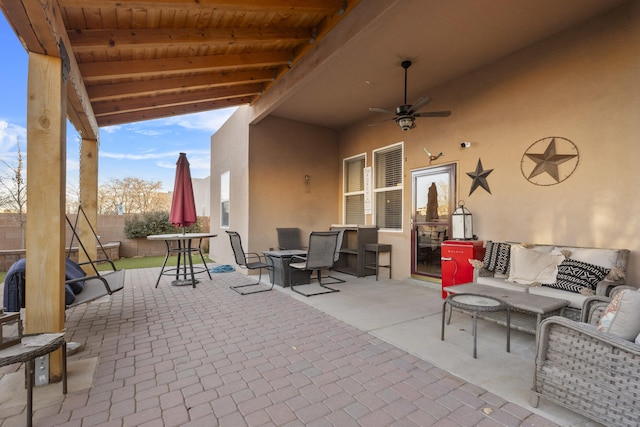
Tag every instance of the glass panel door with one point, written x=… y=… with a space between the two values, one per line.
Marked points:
x=433 y=197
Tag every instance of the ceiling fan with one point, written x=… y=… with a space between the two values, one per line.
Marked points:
x=406 y=114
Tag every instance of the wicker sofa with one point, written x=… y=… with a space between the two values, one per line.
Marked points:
x=591 y=372
x=503 y=268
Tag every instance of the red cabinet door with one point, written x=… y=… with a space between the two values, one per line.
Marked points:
x=456 y=268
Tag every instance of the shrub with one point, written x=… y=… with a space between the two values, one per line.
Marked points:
x=151 y=223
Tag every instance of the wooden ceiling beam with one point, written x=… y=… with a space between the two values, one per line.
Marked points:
x=84 y=40
x=282 y=6
x=172 y=99
x=125 y=90
x=97 y=71
x=156 y=113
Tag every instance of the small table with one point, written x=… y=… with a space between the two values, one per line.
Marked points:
x=377 y=248
x=185 y=248
x=280 y=260
x=527 y=310
x=31 y=347
x=476 y=303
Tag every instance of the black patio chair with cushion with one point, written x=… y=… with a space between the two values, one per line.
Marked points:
x=289 y=238
x=320 y=256
x=250 y=261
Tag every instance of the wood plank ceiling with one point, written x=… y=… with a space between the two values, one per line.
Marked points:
x=144 y=59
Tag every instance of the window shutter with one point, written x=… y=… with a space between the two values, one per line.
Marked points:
x=354 y=209
x=354 y=190
x=353 y=175
x=388 y=187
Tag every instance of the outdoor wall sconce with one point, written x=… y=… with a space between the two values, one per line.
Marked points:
x=307 y=183
x=465 y=144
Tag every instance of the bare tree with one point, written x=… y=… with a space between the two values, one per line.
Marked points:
x=13 y=191
x=131 y=195
x=73 y=198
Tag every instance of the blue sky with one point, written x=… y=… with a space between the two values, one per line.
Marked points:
x=146 y=150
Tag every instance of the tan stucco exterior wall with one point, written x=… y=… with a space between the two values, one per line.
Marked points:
x=267 y=177
x=282 y=152
x=583 y=85
x=229 y=152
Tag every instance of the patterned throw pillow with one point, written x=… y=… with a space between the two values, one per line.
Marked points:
x=496 y=257
x=575 y=275
x=622 y=316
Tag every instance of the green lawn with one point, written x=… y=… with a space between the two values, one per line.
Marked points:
x=133 y=263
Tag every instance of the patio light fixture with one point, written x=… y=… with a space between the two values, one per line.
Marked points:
x=405 y=122
x=462 y=223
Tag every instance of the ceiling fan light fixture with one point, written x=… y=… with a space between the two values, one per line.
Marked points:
x=405 y=114
x=405 y=122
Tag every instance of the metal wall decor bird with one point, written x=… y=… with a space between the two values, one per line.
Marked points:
x=431 y=156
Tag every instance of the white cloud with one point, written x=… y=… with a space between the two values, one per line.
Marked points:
x=10 y=135
x=72 y=164
x=208 y=121
x=111 y=129
x=153 y=155
x=148 y=132
x=199 y=160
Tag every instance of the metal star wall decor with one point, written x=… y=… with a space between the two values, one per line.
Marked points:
x=479 y=177
x=542 y=164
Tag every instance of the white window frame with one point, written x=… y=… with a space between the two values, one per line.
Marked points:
x=345 y=193
x=225 y=186
x=399 y=186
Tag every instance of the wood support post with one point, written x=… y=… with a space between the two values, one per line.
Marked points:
x=46 y=190
x=88 y=200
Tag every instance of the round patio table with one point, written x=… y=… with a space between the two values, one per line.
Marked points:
x=475 y=303
x=185 y=261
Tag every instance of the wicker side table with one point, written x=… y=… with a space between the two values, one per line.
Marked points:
x=476 y=303
x=31 y=347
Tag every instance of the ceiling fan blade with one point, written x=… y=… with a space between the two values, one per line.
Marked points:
x=434 y=114
x=381 y=110
x=382 y=121
x=420 y=103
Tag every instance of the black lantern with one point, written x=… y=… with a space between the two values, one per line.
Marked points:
x=462 y=223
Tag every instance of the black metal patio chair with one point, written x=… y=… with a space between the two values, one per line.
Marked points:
x=289 y=238
x=249 y=261
x=320 y=256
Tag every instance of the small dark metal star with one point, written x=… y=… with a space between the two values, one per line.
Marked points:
x=548 y=161
x=479 y=177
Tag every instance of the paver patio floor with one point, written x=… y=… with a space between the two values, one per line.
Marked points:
x=178 y=356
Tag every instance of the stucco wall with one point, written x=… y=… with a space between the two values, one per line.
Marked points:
x=581 y=84
x=267 y=180
x=281 y=153
x=229 y=152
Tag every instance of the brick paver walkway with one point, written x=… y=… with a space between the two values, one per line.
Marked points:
x=177 y=356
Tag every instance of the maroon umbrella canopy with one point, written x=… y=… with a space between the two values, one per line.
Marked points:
x=183 y=206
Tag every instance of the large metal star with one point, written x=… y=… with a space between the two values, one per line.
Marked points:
x=479 y=177
x=548 y=161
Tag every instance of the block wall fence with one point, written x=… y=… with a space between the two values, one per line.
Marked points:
x=110 y=229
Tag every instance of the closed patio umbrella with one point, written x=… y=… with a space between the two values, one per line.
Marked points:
x=183 y=206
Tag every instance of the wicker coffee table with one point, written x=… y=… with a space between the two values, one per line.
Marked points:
x=527 y=310
x=476 y=304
